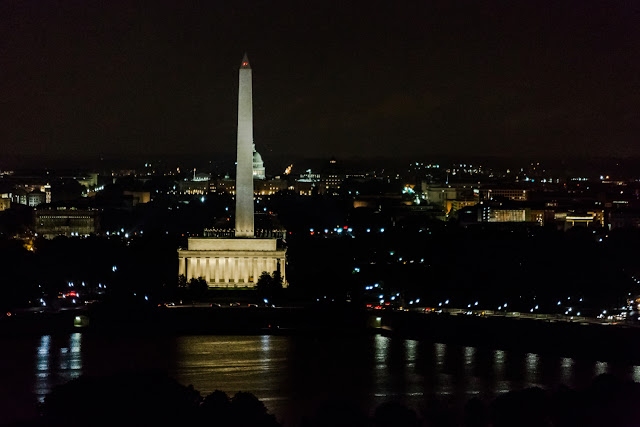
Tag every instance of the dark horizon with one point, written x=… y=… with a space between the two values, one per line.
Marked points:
x=359 y=79
x=275 y=164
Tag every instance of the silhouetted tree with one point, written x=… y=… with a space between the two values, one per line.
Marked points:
x=526 y=408
x=475 y=414
x=197 y=288
x=125 y=399
x=337 y=414
x=264 y=282
x=248 y=411
x=392 y=414
x=277 y=282
x=269 y=286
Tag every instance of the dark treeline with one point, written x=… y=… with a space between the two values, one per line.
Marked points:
x=135 y=399
x=432 y=262
x=464 y=265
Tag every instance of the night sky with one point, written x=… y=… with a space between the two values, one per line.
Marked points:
x=516 y=78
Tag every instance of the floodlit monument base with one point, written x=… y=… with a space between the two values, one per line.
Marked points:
x=231 y=263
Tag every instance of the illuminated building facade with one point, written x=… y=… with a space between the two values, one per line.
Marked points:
x=138 y=197
x=269 y=187
x=5 y=203
x=35 y=198
x=331 y=178
x=51 y=222
x=519 y=195
x=591 y=218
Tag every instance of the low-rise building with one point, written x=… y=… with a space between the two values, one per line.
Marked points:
x=50 y=222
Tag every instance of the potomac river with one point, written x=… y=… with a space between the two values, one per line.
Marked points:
x=292 y=375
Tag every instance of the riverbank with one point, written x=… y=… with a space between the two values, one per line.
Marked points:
x=598 y=342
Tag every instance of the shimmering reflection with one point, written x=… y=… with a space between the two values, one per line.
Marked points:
x=444 y=381
x=294 y=374
x=381 y=353
x=390 y=368
x=381 y=345
x=231 y=364
x=602 y=368
x=75 y=355
x=266 y=344
x=441 y=353
x=411 y=348
x=411 y=376
x=472 y=381
x=498 y=363
x=532 y=370
x=67 y=354
x=469 y=353
x=42 y=386
x=566 y=370
x=499 y=360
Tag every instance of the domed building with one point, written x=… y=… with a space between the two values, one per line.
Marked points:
x=258 y=165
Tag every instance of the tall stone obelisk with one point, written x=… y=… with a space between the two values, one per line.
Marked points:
x=244 y=167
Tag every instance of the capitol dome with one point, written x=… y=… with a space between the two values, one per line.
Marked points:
x=258 y=165
x=257 y=158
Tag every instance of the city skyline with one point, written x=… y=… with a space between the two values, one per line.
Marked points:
x=444 y=228
x=357 y=80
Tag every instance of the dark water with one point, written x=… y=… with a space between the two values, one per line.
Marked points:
x=292 y=375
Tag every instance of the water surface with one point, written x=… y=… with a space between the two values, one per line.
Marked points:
x=291 y=375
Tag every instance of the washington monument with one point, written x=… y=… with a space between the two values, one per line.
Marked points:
x=244 y=168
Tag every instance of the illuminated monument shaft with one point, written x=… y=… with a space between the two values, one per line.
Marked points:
x=244 y=168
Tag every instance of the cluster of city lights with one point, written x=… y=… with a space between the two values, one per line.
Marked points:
x=338 y=230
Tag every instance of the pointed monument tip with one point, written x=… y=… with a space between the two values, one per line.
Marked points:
x=245 y=61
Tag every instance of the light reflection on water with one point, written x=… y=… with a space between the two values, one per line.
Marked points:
x=472 y=383
x=532 y=374
x=293 y=374
x=566 y=370
x=603 y=368
x=67 y=352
